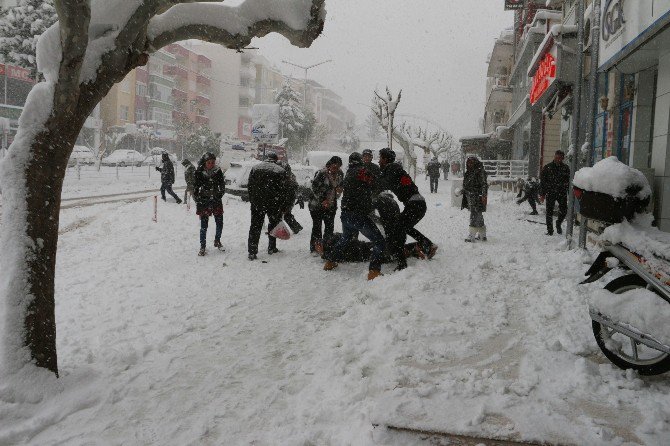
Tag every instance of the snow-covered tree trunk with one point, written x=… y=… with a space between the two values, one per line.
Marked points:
x=82 y=57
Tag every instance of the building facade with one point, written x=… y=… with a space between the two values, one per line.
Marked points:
x=633 y=115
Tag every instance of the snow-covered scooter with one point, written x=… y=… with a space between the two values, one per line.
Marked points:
x=626 y=346
x=623 y=326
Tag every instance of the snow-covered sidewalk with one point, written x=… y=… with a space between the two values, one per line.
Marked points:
x=159 y=346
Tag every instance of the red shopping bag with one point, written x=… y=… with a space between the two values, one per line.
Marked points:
x=281 y=231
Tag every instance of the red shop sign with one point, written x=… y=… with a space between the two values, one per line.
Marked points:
x=15 y=72
x=544 y=77
x=2 y=69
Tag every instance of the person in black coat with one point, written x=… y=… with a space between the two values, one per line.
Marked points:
x=389 y=216
x=356 y=208
x=209 y=186
x=291 y=195
x=395 y=179
x=554 y=184
x=475 y=197
x=374 y=169
x=433 y=171
x=267 y=186
x=361 y=250
x=167 y=177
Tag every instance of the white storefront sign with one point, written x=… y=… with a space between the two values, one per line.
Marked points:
x=265 y=122
x=625 y=21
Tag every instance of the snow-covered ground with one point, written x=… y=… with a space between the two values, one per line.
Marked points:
x=159 y=346
x=88 y=180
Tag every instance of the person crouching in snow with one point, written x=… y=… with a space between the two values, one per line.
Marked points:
x=208 y=190
x=475 y=189
x=531 y=189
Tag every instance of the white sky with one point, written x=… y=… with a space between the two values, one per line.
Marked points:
x=435 y=50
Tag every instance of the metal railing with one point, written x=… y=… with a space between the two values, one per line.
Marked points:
x=512 y=169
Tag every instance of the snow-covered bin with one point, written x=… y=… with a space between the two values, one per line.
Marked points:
x=456 y=192
x=611 y=191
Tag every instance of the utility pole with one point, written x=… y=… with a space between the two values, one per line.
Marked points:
x=593 y=101
x=576 y=118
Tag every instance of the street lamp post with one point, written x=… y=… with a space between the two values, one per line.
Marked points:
x=304 y=94
x=304 y=98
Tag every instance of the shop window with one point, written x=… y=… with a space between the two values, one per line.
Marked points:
x=627 y=95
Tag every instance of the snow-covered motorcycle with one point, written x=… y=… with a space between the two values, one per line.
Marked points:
x=630 y=324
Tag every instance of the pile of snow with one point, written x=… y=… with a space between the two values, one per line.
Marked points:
x=641 y=309
x=612 y=177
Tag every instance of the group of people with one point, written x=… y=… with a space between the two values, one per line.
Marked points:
x=368 y=194
x=552 y=188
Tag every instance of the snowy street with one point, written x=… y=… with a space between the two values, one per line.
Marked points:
x=159 y=346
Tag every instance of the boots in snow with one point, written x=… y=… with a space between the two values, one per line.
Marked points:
x=329 y=265
x=202 y=252
x=373 y=274
x=218 y=245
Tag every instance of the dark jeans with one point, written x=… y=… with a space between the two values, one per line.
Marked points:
x=167 y=187
x=257 y=218
x=292 y=223
x=562 y=200
x=321 y=217
x=204 y=223
x=433 y=184
x=188 y=193
x=352 y=224
x=445 y=174
x=409 y=217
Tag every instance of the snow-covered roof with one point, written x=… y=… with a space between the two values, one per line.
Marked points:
x=555 y=31
x=482 y=137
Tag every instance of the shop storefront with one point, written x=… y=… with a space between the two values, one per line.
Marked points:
x=633 y=116
x=553 y=71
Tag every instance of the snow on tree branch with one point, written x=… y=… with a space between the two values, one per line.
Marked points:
x=300 y=21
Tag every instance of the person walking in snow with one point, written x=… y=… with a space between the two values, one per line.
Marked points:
x=356 y=208
x=554 y=184
x=326 y=187
x=475 y=197
x=267 y=186
x=433 y=172
x=209 y=186
x=445 y=169
x=291 y=194
x=167 y=177
x=189 y=177
x=395 y=179
x=530 y=190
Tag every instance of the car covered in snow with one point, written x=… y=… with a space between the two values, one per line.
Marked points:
x=237 y=178
x=124 y=158
x=156 y=155
x=81 y=155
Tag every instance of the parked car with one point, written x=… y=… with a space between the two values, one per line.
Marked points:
x=124 y=158
x=237 y=178
x=156 y=155
x=81 y=155
x=304 y=176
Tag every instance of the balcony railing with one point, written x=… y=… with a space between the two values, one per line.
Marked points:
x=496 y=169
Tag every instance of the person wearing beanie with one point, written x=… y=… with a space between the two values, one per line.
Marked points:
x=167 y=177
x=208 y=190
x=356 y=208
x=267 y=186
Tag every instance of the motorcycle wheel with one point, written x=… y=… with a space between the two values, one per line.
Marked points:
x=623 y=351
